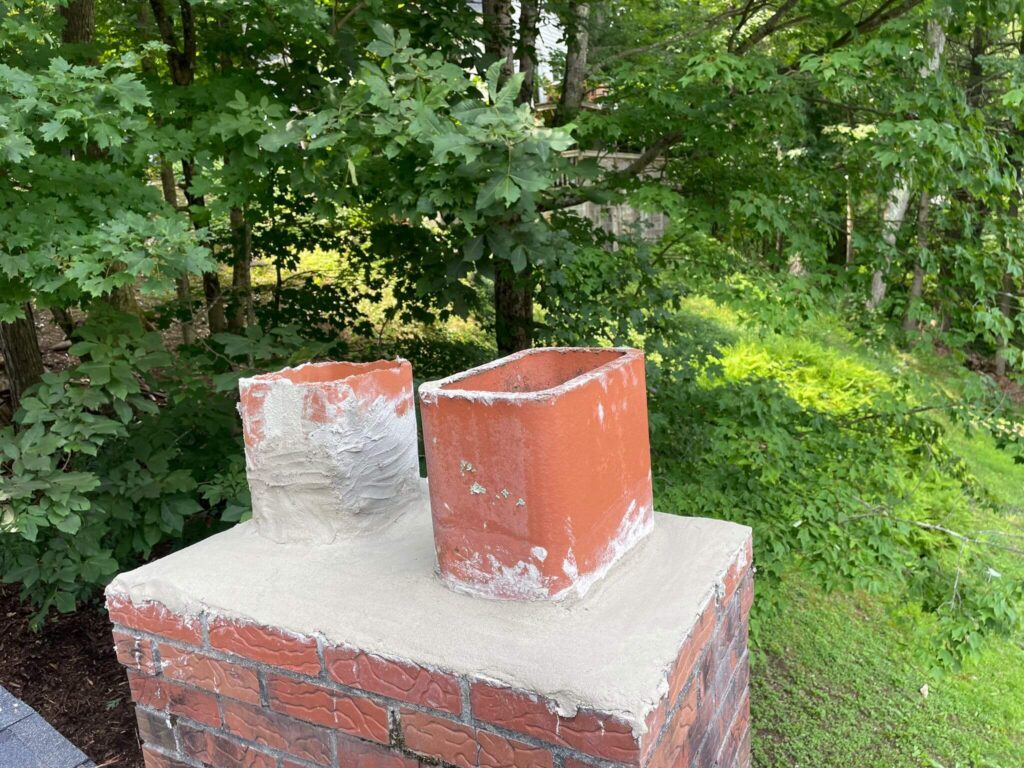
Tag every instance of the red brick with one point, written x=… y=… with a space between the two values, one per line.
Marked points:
x=440 y=738
x=499 y=752
x=734 y=740
x=353 y=753
x=726 y=661
x=737 y=570
x=135 y=653
x=154 y=759
x=399 y=680
x=591 y=732
x=155 y=729
x=727 y=702
x=676 y=747
x=515 y=710
x=747 y=594
x=743 y=757
x=269 y=729
x=154 y=618
x=690 y=651
x=221 y=752
x=655 y=721
x=275 y=647
x=195 y=705
x=202 y=671
x=601 y=735
x=323 y=706
x=146 y=691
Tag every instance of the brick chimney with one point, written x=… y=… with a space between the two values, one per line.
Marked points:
x=529 y=610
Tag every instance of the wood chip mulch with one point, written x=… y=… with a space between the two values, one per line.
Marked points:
x=68 y=673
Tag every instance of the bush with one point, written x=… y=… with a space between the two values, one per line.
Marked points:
x=839 y=470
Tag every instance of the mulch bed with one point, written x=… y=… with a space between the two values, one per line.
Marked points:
x=68 y=673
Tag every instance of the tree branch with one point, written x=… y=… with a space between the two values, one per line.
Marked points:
x=618 y=179
x=885 y=12
x=164 y=24
x=768 y=27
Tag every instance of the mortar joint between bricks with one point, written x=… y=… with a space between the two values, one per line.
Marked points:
x=154 y=650
x=466 y=700
x=220 y=708
x=320 y=656
x=204 y=628
x=173 y=721
x=394 y=729
x=261 y=679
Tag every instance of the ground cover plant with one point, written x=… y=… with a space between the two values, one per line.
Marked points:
x=821 y=261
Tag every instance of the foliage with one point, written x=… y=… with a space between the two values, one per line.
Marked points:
x=125 y=452
x=837 y=467
x=86 y=229
x=421 y=138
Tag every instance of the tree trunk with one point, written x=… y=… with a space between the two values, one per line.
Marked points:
x=79 y=22
x=513 y=305
x=181 y=60
x=577 y=47
x=23 y=361
x=62 y=317
x=849 y=225
x=241 y=273
x=892 y=221
x=1006 y=308
x=181 y=284
x=528 y=18
x=899 y=197
x=215 y=316
x=1006 y=305
x=513 y=293
x=79 y=26
x=498 y=34
x=917 y=282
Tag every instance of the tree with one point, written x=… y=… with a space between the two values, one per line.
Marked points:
x=23 y=362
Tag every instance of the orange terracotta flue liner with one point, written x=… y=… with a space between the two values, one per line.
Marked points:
x=330 y=448
x=539 y=470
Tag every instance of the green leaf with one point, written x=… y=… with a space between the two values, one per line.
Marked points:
x=64 y=601
x=69 y=524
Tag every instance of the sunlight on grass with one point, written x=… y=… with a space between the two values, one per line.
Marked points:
x=817 y=375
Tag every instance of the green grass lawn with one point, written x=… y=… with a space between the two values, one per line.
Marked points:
x=837 y=678
x=837 y=682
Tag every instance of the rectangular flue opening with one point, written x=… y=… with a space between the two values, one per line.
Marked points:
x=537 y=371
